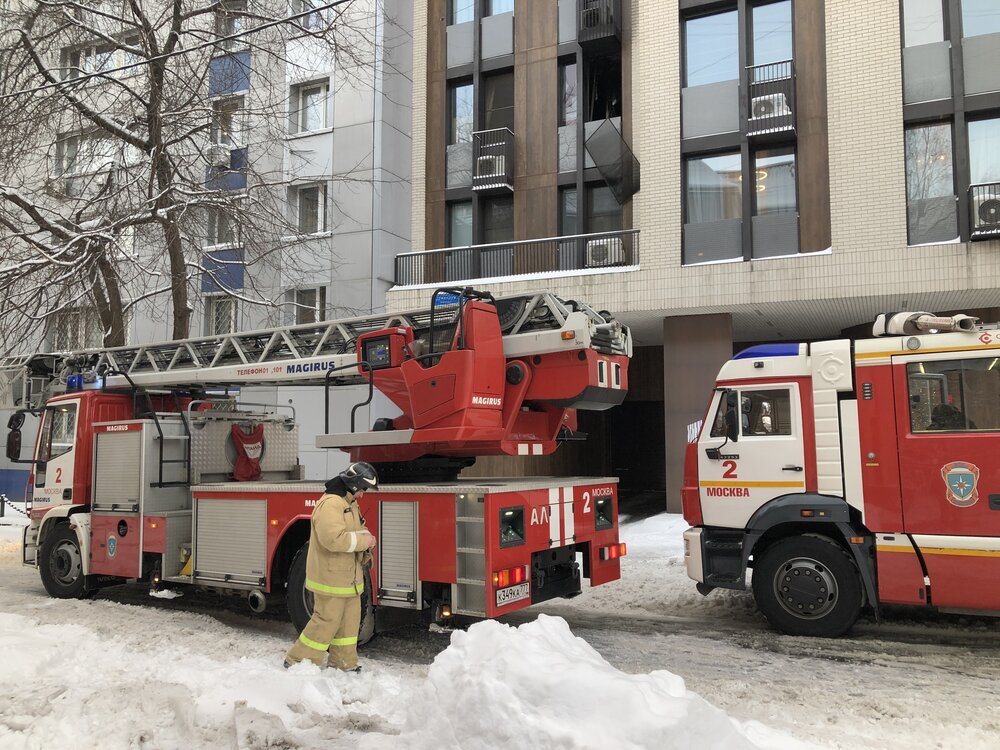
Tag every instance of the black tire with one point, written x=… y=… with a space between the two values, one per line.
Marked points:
x=300 y=599
x=61 y=564
x=808 y=585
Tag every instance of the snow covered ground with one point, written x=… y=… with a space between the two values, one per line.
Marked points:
x=621 y=666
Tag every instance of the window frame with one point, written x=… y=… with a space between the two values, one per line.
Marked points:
x=321 y=208
x=299 y=109
x=238 y=129
x=211 y=301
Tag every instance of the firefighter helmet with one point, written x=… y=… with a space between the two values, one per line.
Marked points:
x=359 y=477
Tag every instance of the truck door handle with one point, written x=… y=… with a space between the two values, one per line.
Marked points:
x=791 y=468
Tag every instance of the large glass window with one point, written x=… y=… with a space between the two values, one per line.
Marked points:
x=309 y=102
x=711 y=45
x=714 y=188
x=220 y=315
x=930 y=185
x=227 y=121
x=604 y=213
x=774 y=181
x=567 y=94
x=310 y=304
x=499 y=104
x=923 y=22
x=954 y=396
x=461 y=11
x=980 y=17
x=460 y=114
x=498 y=220
x=494 y=7
x=460 y=224
x=772 y=32
x=568 y=225
x=312 y=209
x=58 y=431
x=984 y=151
x=761 y=412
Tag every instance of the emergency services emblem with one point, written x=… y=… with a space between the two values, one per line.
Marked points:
x=961 y=477
x=112 y=546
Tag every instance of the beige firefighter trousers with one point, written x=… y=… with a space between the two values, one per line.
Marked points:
x=331 y=636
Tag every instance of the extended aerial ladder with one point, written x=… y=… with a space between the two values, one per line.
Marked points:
x=439 y=355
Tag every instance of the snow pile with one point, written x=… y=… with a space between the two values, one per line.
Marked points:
x=540 y=686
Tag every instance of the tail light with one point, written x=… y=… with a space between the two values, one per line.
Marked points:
x=510 y=576
x=614 y=551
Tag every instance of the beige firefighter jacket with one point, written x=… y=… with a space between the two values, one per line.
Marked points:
x=338 y=544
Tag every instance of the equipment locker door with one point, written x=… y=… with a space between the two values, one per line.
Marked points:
x=948 y=428
x=766 y=461
x=56 y=454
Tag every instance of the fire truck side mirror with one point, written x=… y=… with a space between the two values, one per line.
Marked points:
x=14 y=443
x=732 y=416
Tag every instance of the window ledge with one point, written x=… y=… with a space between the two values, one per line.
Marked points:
x=305 y=237
x=307 y=133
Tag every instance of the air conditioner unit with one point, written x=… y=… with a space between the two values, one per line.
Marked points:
x=219 y=155
x=772 y=105
x=986 y=207
x=490 y=165
x=606 y=251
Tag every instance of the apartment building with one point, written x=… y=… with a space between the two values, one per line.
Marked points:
x=805 y=165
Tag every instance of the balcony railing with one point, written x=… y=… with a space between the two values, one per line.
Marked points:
x=772 y=98
x=493 y=160
x=581 y=252
x=984 y=205
x=599 y=22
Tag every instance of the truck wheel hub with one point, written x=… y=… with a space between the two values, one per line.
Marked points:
x=805 y=588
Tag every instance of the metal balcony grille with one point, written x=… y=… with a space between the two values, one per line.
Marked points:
x=493 y=160
x=552 y=255
x=772 y=98
x=984 y=206
x=600 y=21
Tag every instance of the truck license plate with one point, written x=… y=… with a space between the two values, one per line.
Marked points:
x=513 y=594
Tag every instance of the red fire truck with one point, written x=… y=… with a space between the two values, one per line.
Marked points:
x=132 y=472
x=851 y=475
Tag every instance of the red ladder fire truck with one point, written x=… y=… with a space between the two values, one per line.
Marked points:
x=851 y=475
x=132 y=469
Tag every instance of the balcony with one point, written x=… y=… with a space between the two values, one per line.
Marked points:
x=493 y=160
x=599 y=24
x=771 y=107
x=984 y=205
x=584 y=253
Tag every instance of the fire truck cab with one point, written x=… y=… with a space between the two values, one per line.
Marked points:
x=847 y=475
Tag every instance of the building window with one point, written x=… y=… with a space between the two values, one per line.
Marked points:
x=568 y=224
x=499 y=104
x=567 y=94
x=309 y=304
x=461 y=11
x=227 y=121
x=923 y=22
x=984 y=151
x=230 y=19
x=498 y=220
x=774 y=181
x=495 y=7
x=772 y=33
x=604 y=214
x=980 y=17
x=309 y=102
x=311 y=209
x=221 y=229
x=220 y=315
x=460 y=114
x=713 y=189
x=711 y=46
x=459 y=224
x=74 y=328
x=604 y=90
x=316 y=19
x=930 y=185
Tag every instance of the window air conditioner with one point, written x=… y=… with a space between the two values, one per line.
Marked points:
x=490 y=165
x=605 y=251
x=219 y=155
x=986 y=207
x=772 y=105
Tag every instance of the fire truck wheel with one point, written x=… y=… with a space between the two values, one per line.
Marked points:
x=61 y=564
x=300 y=599
x=808 y=585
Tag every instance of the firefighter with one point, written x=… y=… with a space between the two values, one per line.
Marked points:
x=339 y=550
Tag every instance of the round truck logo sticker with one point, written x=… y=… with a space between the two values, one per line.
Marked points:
x=961 y=477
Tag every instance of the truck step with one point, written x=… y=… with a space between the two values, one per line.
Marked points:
x=718 y=545
x=723 y=581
